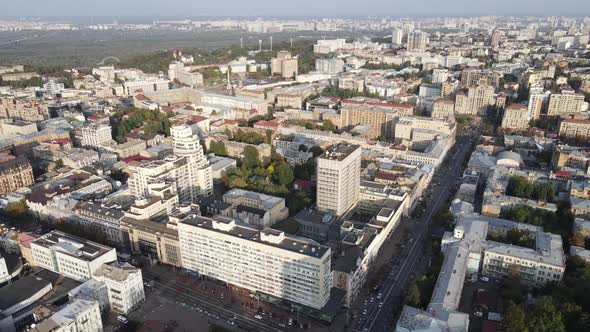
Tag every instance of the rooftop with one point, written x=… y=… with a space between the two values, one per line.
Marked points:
x=72 y=245
x=267 y=236
x=339 y=152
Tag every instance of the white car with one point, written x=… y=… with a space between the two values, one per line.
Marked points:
x=484 y=278
x=478 y=314
x=258 y=317
x=122 y=319
x=230 y=322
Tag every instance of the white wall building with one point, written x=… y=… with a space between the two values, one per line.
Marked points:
x=338 y=174
x=77 y=316
x=96 y=135
x=267 y=261
x=187 y=145
x=132 y=88
x=71 y=256
x=125 y=286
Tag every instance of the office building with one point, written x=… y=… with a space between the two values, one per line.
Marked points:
x=15 y=173
x=268 y=261
x=187 y=145
x=338 y=178
x=284 y=65
x=516 y=117
x=69 y=255
x=96 y=135
x=565 y=103
x=256 y=209
x=125 y=286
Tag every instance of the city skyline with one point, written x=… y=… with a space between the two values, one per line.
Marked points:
x=308 y=8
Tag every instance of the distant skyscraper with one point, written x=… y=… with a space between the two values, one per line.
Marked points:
x=339 y=173
x=417 y=41
x=397 y=37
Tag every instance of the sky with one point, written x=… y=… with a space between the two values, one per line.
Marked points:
x=286 y=8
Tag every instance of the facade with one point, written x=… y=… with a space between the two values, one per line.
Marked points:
x=565 y=103
x=443 y=108
x=284 y=65
x=574 y=128
x=105 y=217
x=516 y=117
x=440 y=75
x=125 y=286
x=417 y=41
x=380 y=117
x=132 y=88
x=477 y=101
x=177 y=71
x=187 y=145
x=96 y=135
x=338 y=178
x=71 y=256
x=544 y=264
x=329 y=66
x=397 y=36
x=157 y=241
x=77 y=316
x=256 y=209
x=15 y=173
x=267 y=261
x=475 y=77
x=132 y=147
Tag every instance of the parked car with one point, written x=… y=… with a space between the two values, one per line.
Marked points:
x=484 y=278
x=258 y=317
x=122 y=319
x=478 y=314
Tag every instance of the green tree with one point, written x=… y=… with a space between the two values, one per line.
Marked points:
x=514 y=319
x=545 y=317
x=250 y=159
x=284 y=174
x=119 y=175
x=413 y=298
x=316 y=151
x=18 y=209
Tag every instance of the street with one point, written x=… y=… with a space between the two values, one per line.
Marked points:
x=380 y=316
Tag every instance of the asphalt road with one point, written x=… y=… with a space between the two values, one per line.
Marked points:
x=379 y=316
x=191 y=298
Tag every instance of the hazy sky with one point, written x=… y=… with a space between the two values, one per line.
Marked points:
x=194 y=8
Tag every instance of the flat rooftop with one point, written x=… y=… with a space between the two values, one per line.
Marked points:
x=339 y=152
x=20 y=291
x=280 y=240
x=72 y=245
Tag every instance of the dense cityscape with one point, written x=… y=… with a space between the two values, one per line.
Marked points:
x=327 y=174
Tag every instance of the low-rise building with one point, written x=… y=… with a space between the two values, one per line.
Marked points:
x=125 y=286
x=256 y=209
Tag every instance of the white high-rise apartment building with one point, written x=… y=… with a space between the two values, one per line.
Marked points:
x=397 y=36
x=187 y=145
x=96 y=135
x=537 y=102
x=339 y=178
x=565 y=103
x=417 y=41
x=69 y=255
x=267 y=261
x=124 y=284
x=187 y=173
